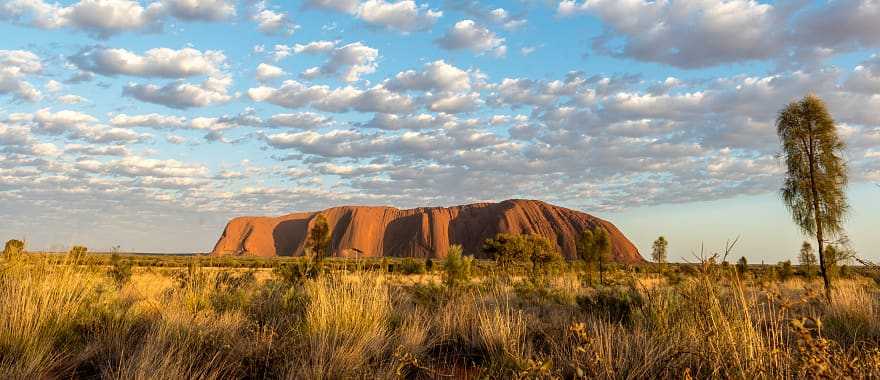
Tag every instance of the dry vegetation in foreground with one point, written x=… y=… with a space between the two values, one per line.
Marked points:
x=91 y=317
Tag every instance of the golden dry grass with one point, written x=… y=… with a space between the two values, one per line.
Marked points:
x=73 y=321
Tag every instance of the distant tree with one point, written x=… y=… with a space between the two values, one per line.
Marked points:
x=835 y=257
x=594 y=247
x=816 y=178
x=319 y=240
x=457 y=267
x=658 y=251
x=542 y=253
x=13 y=249
x=807 y=258
x=785 y=270
x=742 y=265
x=508 y=249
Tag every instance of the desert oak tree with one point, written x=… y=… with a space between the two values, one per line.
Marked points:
x=816 y=178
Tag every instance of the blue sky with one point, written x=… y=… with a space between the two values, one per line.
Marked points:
x=148 y=124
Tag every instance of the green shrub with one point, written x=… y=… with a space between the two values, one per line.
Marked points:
x=412 y=266
x=296 y=272
x=617 y=305
x=784 y=270
x=120 y=270
x=457 y=267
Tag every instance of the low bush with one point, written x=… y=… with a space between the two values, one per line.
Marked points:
x=412 y=266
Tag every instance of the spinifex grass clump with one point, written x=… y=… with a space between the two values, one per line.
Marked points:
x=40 y=305
x=345 y=326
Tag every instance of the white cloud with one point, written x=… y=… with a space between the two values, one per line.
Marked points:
x=97 y=150
x=175 y=139
x=437 y=76
x=403 y=16
x=152 y=120
x=346 y=6
x=314 y=47
x=348 y=62
x=502 y=17
x=686 y=33
x=135 y=166
x=54 y=86
x=77 y=125
x=182 y=95
x=840 y=25
x=157 y=62
x=293 y=94
x=15 y=65
x=455 y=103
x=72 y=99
x=266 y=72
x=99 y=17
x=466 y=34
x=300 y=120
x=200 y=10
x=270 y=21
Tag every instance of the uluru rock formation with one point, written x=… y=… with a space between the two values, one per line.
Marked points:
x=367 y=231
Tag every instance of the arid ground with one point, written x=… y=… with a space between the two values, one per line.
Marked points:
x=154 y=317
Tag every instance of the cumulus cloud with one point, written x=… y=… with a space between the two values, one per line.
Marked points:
x=293 y=94
x=182 y=95
x=498 y=16
x=266 y=72
x=437 y=76
x=152 y=120
x=76 y=125
x=157 y=62
x=466 y=34
x=271 y=21
x=300 y=120
x=840 y=25
x=200 y=10
x=102 y=18
x=686 y=33
x=348 y=62
x=15 y=66
x=403 y=16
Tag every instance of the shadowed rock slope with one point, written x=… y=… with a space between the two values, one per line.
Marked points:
x=368 y=231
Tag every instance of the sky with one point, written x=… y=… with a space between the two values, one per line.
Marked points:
x=148 y=124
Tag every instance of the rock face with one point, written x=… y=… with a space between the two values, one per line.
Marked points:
x=365 y=231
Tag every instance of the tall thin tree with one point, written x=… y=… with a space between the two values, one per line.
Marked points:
x=658 y=252
x=318 y=241
x=816 y=178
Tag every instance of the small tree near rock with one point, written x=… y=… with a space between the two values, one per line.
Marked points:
x=594 y=247
x=658 y=252
x=457 y=267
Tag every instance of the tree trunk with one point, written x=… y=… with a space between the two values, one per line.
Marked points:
x=816 y=210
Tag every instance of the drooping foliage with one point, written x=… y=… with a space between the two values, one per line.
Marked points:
x=816 y=176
